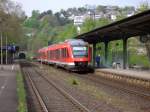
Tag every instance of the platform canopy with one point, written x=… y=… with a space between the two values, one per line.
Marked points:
x=136 y=25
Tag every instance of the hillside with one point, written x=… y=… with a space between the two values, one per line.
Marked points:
x=48 y=27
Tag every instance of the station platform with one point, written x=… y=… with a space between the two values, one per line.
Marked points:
x=145 y=75
x=8 y=89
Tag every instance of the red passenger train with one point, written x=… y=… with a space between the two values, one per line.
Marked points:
x=74 y=55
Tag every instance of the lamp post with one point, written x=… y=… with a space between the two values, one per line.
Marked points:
x=6 y=51
x=1 y=49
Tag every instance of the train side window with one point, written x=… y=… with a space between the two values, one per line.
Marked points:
x=48 y=53
x=63 y=53
x=57 y=53
x=52 y=54
x=67 y=54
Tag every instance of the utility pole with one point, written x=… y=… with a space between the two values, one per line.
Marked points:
x=1 y=49
x=6 y=50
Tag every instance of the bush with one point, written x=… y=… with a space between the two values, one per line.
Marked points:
x=141 y=60
x=74 y=82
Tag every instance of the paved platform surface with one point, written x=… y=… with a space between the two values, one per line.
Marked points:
x=131 y=73
x=8 y=91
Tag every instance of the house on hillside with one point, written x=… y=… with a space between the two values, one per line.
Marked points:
x=79 y=19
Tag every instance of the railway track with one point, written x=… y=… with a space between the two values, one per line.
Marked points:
x=122 y=86
x=36 y=92
x=61 y=101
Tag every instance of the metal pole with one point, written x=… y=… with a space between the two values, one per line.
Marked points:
x=106 y=52
x=94 y=53
x=1 y=49
x=6 y=49
x=124 y=53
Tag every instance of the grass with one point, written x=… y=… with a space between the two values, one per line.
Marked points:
x=22 y=106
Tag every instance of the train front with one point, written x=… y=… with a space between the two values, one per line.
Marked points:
x=81 y=55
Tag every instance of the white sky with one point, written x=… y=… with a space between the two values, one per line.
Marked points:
x=56 y=5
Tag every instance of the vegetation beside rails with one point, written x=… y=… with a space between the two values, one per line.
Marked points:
x=98 y=93
x=22 y=105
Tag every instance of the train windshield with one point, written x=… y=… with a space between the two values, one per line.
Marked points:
x=80 y=51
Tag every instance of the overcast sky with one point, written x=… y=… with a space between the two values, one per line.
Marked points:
x=56 y=5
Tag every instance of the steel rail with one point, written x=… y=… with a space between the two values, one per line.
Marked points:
x=36 y=92
x=124 y=89
x=95 y=79
x=65 y=94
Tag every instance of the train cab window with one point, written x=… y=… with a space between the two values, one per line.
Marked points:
x=80 y=51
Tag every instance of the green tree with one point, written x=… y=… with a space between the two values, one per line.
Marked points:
x=32 y=22
x=101 y=22
x=88 y=25
x=69 y=31
x=11 y=18
x=145 y=6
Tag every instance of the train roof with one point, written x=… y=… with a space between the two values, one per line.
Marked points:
x=74 y=42
x=42 y=49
